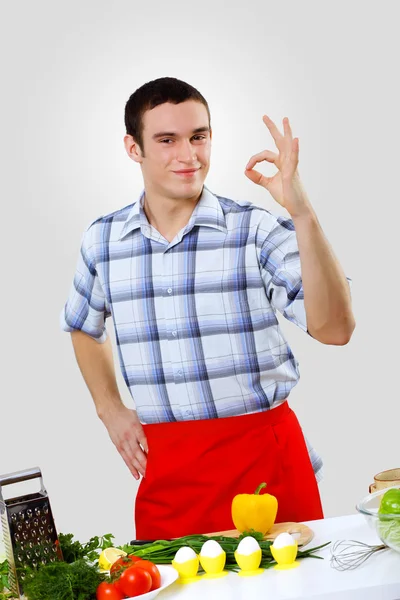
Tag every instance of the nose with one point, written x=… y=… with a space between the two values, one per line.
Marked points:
x=186 y=152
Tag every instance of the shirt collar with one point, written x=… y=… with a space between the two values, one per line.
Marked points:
x=134 y=218
x=207 y=213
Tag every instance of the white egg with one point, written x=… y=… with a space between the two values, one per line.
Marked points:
x=184 y=554
x=247 y=546
x=211 y=549
x=284 y=539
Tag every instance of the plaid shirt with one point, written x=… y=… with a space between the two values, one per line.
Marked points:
x=195 y=321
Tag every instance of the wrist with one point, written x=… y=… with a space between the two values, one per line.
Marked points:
x=301 y=206
x=306 y=216
x=107 y=409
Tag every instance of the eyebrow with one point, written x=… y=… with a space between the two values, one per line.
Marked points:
x=172 y=134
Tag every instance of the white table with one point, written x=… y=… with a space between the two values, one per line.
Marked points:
x=377 y=579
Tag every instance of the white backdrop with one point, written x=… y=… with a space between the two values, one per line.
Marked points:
x=68 y=69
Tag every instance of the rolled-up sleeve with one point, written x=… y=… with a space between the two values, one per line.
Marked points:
x=86 y=308
x=281 y=271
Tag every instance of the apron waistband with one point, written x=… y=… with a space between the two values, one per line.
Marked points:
x=267 y=417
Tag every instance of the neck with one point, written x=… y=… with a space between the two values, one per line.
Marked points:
x=168 y=215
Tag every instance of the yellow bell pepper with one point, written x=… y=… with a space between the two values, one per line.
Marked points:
x=252 y=511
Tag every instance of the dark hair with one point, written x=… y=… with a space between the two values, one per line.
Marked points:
x=153 y=93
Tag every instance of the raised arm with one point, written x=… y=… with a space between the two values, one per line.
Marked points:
x=326 y=291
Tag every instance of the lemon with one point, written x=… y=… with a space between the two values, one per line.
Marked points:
x=109 y=556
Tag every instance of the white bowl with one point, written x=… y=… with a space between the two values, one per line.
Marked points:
x=168 y=576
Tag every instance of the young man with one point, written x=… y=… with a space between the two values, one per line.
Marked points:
x=193 y=281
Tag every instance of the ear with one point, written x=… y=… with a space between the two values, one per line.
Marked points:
x=133 y=149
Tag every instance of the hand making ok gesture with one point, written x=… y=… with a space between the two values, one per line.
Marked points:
x=285 y=186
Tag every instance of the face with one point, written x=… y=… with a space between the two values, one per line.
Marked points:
x=177 y=148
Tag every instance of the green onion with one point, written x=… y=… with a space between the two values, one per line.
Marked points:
x=162 y=552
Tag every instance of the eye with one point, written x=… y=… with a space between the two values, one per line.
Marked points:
x=199 y=137
x=166 y=141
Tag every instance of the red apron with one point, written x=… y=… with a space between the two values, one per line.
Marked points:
x=195 y=468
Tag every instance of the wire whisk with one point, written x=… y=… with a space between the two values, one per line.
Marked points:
x=350 y=554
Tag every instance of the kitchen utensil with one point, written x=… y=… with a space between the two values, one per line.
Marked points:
x=302 y=533
x=350 y=554
x=29 y=532
x=385 y=479
x=386 y=526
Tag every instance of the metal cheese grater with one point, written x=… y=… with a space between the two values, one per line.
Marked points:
x=29 y=533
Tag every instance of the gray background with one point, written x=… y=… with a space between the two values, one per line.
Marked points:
x=67 y=71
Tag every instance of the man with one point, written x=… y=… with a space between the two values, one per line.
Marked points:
x=192 y=281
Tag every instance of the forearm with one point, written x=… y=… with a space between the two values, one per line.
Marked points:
x=97 y=367
x=327 y=297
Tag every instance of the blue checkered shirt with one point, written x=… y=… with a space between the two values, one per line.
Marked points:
x=194 y=318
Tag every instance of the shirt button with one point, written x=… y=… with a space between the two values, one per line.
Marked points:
x=188 y=413
x=169 y=290
x=179 y=373
x=174 y=333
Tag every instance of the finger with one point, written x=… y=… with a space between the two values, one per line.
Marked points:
x=135 y=454
x=143 y=442
x=287 y=130
x=140 y=468
x=274 y=131
x=129 y=450
x=140 y=458
x=129 y=463
x=267 y=155
x=258 y=178
x=291 y=160
x=294 y=155
x=136 y=461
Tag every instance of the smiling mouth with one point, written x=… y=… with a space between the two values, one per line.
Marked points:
x=186 y=173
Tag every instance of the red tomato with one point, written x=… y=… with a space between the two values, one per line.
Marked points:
x=108 y=591
x=122 y=563
x=151 y=568
x=118 y=587
x=135 y=581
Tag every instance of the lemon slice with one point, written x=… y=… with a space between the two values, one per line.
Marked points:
x=109 y=556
